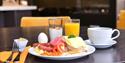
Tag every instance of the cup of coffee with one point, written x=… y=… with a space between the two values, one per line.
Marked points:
x=102 y=35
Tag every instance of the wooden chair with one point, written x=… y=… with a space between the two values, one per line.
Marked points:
x=40 y=21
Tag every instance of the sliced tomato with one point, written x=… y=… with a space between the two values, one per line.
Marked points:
x=56 y=41
x=61 y=47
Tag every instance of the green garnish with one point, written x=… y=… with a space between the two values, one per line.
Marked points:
x=71 y=36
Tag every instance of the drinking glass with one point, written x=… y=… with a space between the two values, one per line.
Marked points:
x=55 y=28
x=72 y=27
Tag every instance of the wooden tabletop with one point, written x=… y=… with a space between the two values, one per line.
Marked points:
x=114 y=54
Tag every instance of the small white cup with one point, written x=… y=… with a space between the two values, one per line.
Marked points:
x=102 y=35
x=21 y=44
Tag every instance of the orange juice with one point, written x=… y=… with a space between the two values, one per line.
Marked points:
x=72 y=29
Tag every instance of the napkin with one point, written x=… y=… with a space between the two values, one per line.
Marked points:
x=23 y=55
x=4 y=55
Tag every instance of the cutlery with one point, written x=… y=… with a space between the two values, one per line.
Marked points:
x=23 y=55
x=15 y=52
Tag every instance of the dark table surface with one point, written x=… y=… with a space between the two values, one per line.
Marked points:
x=114 y=54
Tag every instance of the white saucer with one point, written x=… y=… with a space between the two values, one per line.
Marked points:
x=101 y=45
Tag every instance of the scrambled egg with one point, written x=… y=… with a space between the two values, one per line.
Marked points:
x=37 y=50
x=76 y=42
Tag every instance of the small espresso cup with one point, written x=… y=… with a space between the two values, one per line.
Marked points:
x=102 y=35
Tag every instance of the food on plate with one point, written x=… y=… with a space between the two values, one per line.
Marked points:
x=71 y=36
x=75 y=44
x=42 y=38
x=62 y=45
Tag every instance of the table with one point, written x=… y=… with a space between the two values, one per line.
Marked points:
x=114 y=54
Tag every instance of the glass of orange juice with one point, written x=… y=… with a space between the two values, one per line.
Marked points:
x=72 y=27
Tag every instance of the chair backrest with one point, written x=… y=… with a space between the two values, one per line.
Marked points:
x=40 y=21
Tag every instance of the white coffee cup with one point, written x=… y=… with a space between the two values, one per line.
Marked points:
x=102 y=35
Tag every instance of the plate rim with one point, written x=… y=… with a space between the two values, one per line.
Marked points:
x=93 y=49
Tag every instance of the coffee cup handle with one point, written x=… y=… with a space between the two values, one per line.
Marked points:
x=118 y=33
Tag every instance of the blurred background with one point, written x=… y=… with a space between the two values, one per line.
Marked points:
x=90 y=12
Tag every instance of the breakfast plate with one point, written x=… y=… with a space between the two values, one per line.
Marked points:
x=101 y=45
x=90 y=50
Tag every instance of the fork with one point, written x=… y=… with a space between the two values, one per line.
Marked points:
x=15 y=52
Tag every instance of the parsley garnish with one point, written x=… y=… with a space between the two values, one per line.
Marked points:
x=71 y=36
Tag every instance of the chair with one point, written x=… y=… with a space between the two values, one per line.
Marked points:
x=40 y=21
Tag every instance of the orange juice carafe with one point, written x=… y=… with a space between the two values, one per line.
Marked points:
x=72 y=28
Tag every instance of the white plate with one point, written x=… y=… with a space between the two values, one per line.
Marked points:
x=90 y=50
x=101 y=45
